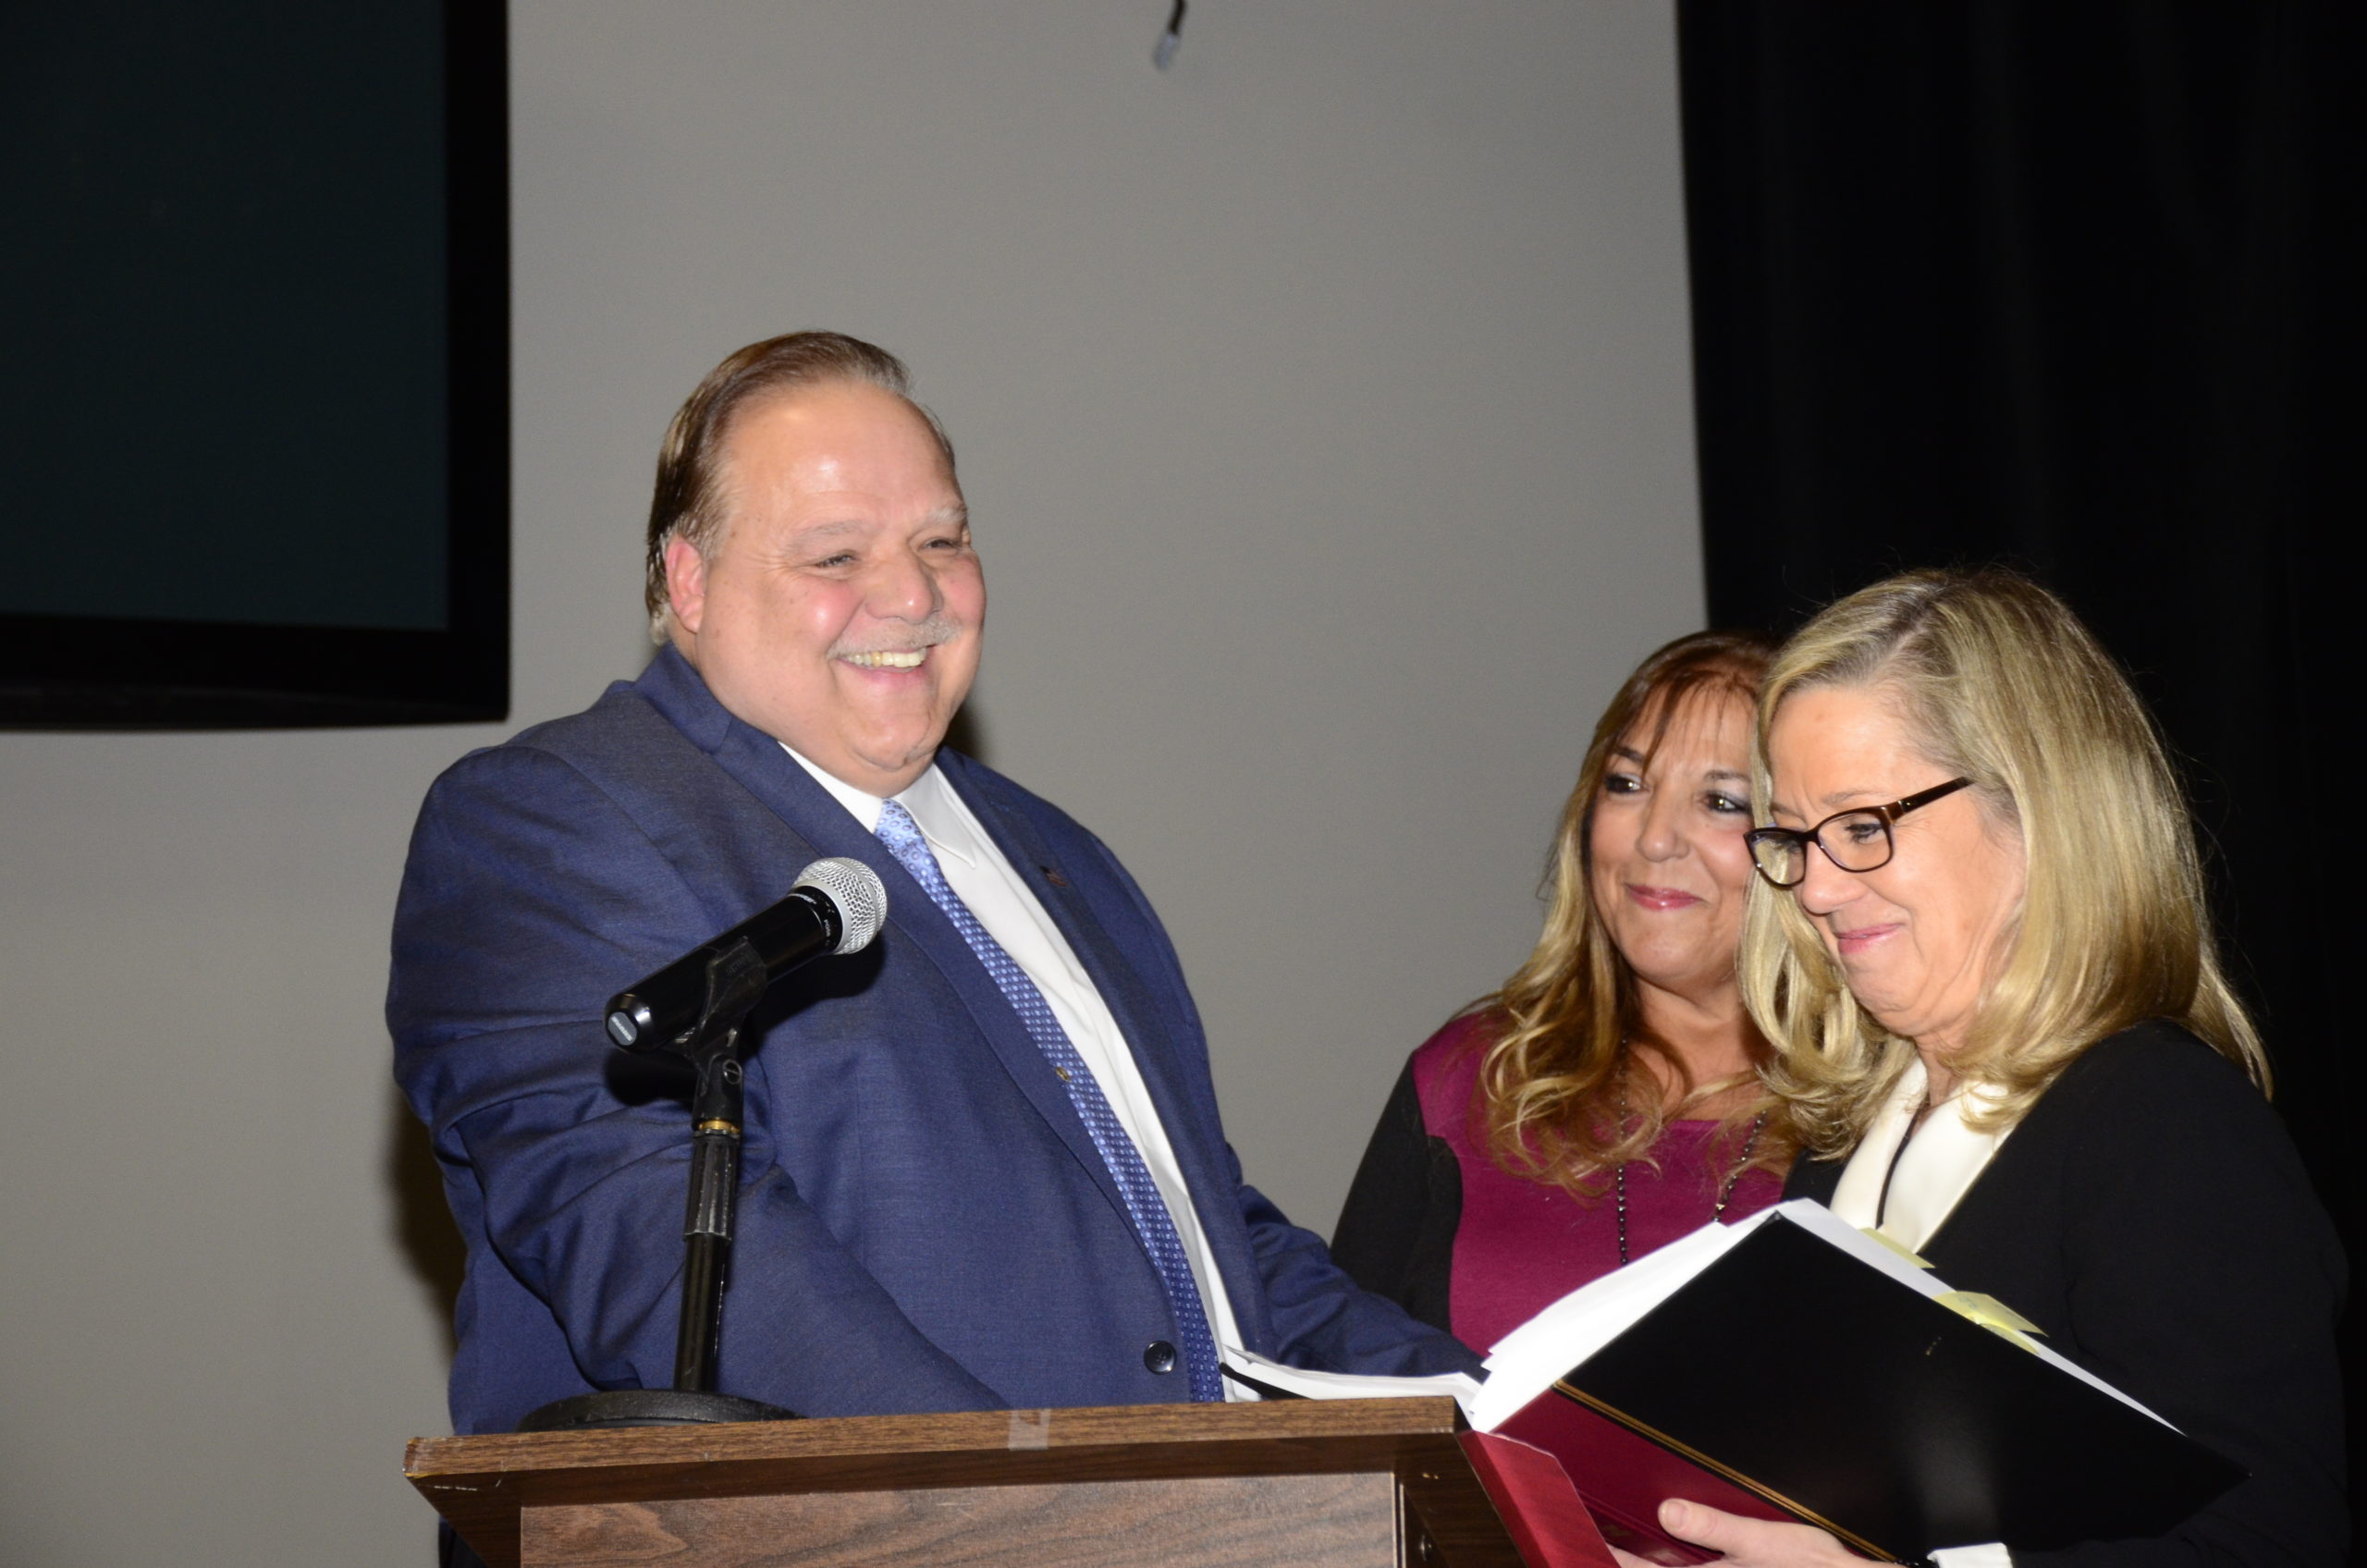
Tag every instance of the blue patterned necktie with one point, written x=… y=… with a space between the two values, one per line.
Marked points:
x=1144 y=1206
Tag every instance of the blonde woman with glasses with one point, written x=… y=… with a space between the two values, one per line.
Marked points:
x=1981 y=951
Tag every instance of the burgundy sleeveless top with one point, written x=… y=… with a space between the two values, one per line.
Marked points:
x=1521 y=1244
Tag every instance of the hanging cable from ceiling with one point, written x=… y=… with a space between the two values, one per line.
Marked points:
x=1162 y=53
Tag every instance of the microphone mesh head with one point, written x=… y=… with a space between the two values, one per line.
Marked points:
x=856 y=891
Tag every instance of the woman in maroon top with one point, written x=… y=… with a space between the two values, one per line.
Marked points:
x=1605 y=1101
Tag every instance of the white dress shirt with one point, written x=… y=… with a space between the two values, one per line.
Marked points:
x=984 y=879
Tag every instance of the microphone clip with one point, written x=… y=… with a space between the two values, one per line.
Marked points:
x=736 y=982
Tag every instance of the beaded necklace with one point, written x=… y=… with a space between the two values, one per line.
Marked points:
x=1725 y=1194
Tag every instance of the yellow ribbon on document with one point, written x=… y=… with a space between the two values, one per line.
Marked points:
x=1895 y=1244
x=1993 y=1315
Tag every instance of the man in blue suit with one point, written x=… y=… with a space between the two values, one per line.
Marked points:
x=983 y=1165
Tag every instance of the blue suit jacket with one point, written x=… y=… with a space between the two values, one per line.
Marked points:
x=924 y=1222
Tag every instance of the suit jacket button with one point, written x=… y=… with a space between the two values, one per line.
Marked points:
x=1160 y=1357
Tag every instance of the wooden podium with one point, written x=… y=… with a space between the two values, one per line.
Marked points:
x=1340 y=1482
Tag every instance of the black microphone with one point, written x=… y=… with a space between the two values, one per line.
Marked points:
x=837 y=906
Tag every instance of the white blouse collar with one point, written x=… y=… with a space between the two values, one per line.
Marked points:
x=1926 y=1183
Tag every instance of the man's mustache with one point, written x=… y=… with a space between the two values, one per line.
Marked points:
x=938 y=628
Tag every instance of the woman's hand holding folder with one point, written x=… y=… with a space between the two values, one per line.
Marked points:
x=1746 y=1543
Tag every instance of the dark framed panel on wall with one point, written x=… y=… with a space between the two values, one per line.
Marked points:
x=254 y=409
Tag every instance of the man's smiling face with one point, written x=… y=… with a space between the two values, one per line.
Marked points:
x=840 y=607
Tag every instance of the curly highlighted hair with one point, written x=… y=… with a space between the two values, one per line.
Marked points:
x=1566 y=1030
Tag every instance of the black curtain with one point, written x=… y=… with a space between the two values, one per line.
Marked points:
x=2067 y=285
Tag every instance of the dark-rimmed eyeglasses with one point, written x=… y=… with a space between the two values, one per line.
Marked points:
x=1856 y=839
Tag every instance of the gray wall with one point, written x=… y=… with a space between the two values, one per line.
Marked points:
x=1324 y=406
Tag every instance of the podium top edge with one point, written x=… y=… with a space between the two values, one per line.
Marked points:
x=1286 y=1421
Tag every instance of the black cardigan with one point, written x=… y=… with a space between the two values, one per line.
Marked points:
x=1396 y=1232
x=2149 y=1214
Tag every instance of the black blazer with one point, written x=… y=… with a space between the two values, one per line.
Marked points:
x=2149 y=1214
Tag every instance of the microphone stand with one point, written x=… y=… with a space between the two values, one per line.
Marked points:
x=735 y=982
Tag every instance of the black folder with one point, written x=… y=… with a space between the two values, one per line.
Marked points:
x=1788 y=1373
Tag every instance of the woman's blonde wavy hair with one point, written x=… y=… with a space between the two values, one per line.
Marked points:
x=1997 y=680
x=1554 y=1077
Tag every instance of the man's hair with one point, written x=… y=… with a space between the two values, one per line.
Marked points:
x=1994 y=679
x=1561 y=1095
x=688 y=501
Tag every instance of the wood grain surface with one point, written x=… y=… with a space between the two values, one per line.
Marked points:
x=1254 y=1521
x=482 y=1484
